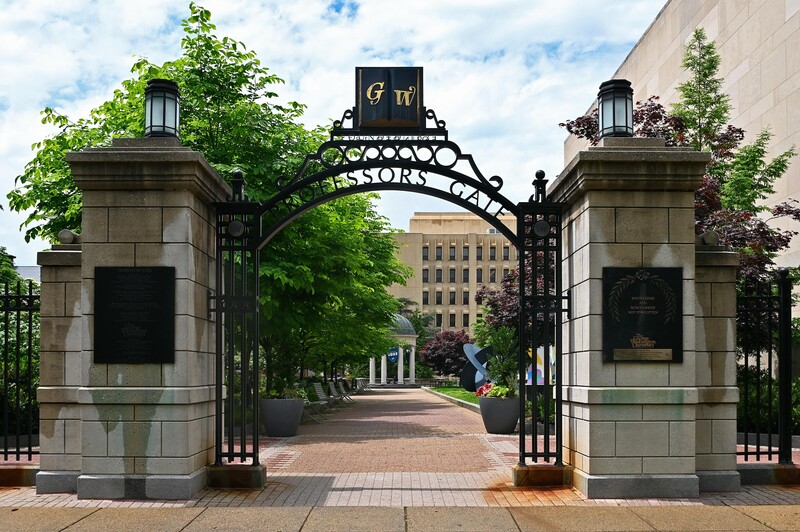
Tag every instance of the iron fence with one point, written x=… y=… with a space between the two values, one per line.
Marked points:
x=764 y=370
x=19 y=340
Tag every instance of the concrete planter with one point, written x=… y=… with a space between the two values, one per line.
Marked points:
x=500 y=415
x=281 y=417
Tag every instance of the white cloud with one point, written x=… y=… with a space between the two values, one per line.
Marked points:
x=501 y=74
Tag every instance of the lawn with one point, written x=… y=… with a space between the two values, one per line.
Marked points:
x=458 y=392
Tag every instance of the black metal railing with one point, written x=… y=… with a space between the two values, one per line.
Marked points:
x=764 y=370
x=19 y=341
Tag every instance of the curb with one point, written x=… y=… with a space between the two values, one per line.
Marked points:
x=457 y=402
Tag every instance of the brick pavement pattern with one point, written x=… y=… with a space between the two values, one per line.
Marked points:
x=396 y=448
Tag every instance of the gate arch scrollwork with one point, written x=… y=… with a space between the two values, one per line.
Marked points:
x=422 y=160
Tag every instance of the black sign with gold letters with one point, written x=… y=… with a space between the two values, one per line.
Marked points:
x=642 y=315
x=389 y=97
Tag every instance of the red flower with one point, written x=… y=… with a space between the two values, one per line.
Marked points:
x=484 y=390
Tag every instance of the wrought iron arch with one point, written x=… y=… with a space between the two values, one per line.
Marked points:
x=352 y=161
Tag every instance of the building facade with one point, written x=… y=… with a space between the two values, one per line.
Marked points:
x=757 y=42
x=452 y=255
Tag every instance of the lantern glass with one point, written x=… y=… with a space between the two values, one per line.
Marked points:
x=615 y=109
x=161 y=109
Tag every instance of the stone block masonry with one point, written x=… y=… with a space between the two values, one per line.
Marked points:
x=137 y=430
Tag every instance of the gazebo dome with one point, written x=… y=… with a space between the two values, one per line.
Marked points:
x=402 y=327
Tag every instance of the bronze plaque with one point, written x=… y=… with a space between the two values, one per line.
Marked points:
x=642 y=314
x=134 y=315
x=389 y=97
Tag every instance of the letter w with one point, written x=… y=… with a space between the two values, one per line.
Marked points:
x=405 y=97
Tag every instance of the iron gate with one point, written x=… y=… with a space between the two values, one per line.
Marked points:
x=364 y=156
x=19 y=340
x=764 y=369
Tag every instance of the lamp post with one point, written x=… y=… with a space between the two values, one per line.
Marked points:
x=615 y=109
x=161 y=108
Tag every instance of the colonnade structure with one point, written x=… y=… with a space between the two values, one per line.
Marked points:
x=406 y=342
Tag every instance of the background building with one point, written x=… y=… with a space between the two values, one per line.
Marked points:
x=758 y=42
x=452 y=255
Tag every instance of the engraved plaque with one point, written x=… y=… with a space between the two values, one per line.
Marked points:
x=642 y=315
x=134 y=315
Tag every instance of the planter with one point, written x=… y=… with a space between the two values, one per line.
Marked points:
x=281 y=417
x=499 y=415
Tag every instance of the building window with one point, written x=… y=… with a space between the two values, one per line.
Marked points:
x=452 y=298
x=492 y=275
x=465 y=275
x=478 y=316
x=506 y=252
x=452 y=320
x=425 y=254
x=438 y=275
x=479 y=253
x=425 y=298
x=452 y=253
x=438 y=319
x=492 y=253
x=438 y=252
x=479 y=275
x=452 y=275
x=465 y=253
x=425 y=276
x=465 y=320
x=505 y=273
x=465 y=297
x=438 y=297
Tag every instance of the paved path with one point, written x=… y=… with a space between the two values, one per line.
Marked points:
x=410 y=461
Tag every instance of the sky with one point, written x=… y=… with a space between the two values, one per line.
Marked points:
x=501 y=73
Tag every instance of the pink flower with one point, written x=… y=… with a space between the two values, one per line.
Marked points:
x=483 y=390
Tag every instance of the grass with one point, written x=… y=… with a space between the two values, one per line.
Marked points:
x=457 y=392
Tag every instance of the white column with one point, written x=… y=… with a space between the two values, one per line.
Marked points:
x=384 y=369
x=372 y=370
x=412 y=366
x=399 y=364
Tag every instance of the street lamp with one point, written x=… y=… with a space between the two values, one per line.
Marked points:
x=161 y=108
x=615 y=109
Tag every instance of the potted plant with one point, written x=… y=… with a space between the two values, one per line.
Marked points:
x=282 y=411
x=499 y=409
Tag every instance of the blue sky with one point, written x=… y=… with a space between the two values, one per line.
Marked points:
x=502 y=74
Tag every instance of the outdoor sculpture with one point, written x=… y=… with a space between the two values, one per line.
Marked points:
x=474 y=374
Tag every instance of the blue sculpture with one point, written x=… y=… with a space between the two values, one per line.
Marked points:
x=474 y=374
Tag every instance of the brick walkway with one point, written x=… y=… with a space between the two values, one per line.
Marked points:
x=401 y=448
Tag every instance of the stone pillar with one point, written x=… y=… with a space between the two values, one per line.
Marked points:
x=718 y=393
x=412 y=366
x=147 y=430
x=372 y=370
x=400 y=376
x=629 y=427
x=384 y=368
x=60 y=370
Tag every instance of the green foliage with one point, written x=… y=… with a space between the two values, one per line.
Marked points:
x=758 y=401
x=751 y=177
x=503 y=363
x=457 y=392
x=705 y=109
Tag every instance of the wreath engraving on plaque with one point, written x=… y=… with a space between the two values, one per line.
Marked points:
x=642 y=314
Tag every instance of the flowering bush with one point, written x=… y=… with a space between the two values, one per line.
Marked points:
x=494 y=390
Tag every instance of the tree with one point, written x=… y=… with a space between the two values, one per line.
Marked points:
x=738 y=177
x=444 y=352
x=323 y=278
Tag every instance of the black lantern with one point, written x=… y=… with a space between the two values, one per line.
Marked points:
x=161 y=108
x=615 y=109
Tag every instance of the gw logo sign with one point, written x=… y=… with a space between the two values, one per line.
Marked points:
x=389 y=97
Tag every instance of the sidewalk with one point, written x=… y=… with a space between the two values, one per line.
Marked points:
x=409 y=461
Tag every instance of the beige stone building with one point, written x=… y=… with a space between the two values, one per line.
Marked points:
x=758 y=41
x=452 y=254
